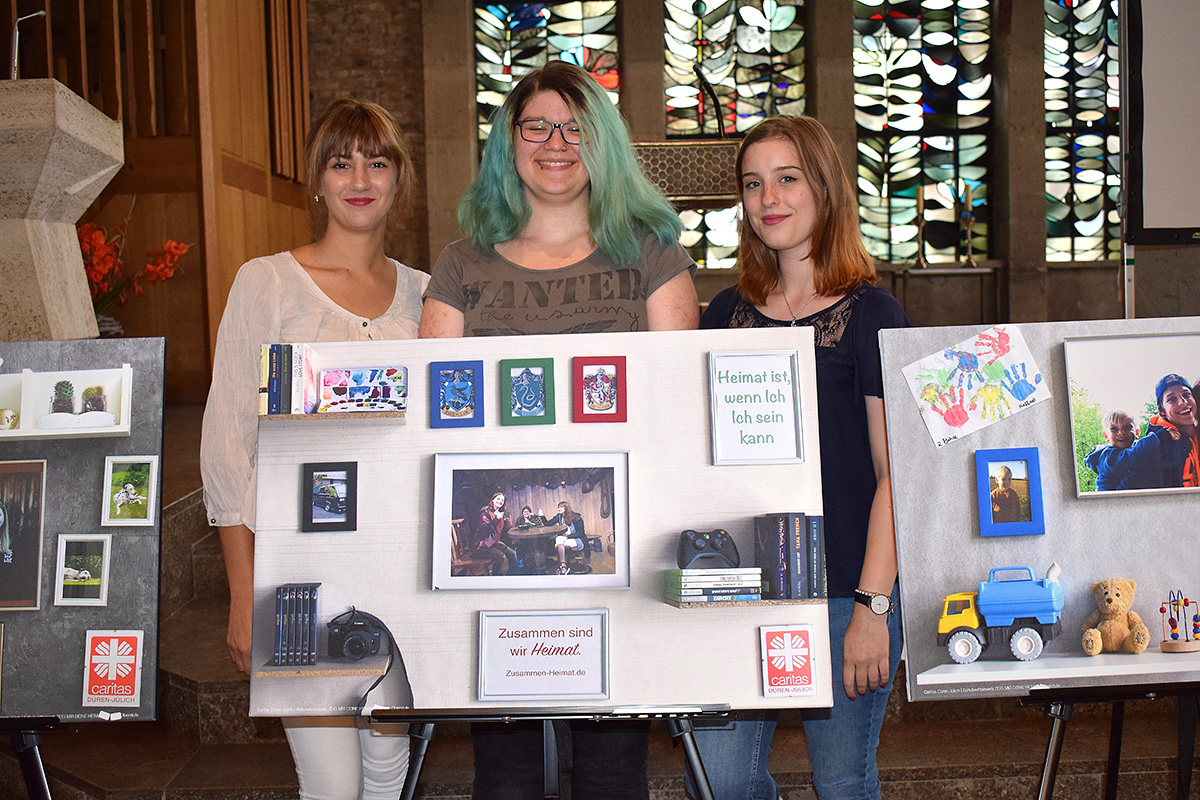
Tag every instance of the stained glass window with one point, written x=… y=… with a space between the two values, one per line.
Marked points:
x=513 y=39
x=923 y=108
x=1083 y=177
x=751 y=51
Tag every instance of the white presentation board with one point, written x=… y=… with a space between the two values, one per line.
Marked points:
x=1144 y=536
x=658 y=655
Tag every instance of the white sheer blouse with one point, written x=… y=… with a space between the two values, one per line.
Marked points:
x=274 y=300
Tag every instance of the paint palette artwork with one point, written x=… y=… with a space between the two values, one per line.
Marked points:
x=363 y=389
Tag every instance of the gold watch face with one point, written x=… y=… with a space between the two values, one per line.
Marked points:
x=880 y=603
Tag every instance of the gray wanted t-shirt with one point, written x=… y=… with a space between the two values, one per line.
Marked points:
x=500 y=298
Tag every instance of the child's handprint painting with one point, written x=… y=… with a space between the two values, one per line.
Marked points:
x=975 y=383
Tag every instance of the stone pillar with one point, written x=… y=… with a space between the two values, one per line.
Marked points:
x=57 y=153
x=1019 y=162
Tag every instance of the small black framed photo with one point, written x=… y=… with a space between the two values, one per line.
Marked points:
x=329 y=496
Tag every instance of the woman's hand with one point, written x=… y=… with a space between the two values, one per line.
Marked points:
x=865 y=652
x=238 y=636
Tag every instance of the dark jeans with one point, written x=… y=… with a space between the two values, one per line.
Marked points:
x=609 y=760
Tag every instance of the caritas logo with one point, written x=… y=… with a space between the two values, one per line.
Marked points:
x=787 y=661
x=113 y=669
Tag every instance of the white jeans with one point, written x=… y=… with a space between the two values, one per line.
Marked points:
x=346 y=758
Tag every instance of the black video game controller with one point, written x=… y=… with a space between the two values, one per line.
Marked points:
x=708 y=550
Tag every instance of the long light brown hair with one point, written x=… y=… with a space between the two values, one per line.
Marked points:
x=840 y=261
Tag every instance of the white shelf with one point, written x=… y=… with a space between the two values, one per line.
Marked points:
x=31 y=393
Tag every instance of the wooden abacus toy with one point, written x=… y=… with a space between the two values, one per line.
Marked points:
x=1172 y=611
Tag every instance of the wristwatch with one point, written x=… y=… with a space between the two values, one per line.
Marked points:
x=878 y=603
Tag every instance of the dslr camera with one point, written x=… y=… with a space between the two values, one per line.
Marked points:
x=356 y=637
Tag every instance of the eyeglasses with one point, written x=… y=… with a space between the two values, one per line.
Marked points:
x=539 y=130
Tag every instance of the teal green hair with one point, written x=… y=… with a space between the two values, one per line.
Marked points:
x=622 y=201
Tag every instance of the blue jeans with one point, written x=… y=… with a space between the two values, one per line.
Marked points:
x=608 y=760
x=841 y=740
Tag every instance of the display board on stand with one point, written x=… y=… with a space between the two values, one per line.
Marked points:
x=628 y=447
x=80 y=445
x=1004 y=527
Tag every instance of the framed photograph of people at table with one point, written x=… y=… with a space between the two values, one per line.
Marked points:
x=531 y=520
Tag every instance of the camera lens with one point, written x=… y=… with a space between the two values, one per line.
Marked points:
x=356 y=646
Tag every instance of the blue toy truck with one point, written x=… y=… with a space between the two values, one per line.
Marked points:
x=1023 y=611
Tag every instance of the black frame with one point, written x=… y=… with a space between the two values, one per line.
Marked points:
x=308 y=474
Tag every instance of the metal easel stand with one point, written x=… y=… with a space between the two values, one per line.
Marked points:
x=23 y=733
x=421 y=725
x=1059 y=703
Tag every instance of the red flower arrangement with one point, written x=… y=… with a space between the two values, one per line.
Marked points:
x=102 y=263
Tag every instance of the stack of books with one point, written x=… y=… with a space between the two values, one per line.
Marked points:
x=790 y=549
x=713 y=585
x=295 y=624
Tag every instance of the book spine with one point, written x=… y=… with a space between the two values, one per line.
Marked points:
x=290 y=658
x=816 y=578
x=297 y=378
x=694 y=582
x=273 y=382
x=713 y=591
x=768 y=555
x=285 y=379
x=725 y=598
x=278 y=626
x=305 y=593
x=313 y=634
x=797 y=542
x=312 y=376
x=264 y=379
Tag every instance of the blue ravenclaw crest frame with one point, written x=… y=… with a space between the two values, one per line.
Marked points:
x=527 y=391
x=456 y=394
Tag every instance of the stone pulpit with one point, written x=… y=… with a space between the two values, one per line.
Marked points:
x=57 y=152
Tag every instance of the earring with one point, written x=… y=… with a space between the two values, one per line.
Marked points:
x=316 y=198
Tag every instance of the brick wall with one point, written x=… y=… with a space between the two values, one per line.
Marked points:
x=371 y=49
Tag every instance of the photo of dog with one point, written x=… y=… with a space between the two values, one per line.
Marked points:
x=131 y=494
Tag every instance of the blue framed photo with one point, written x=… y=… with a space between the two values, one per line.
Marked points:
x=1009 y=483
x=527 y=391
x=456 y=394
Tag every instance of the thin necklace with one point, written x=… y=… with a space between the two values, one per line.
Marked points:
x=795 y=316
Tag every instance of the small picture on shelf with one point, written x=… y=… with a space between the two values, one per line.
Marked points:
x=527 y=391
x=130 y=490
x=599 y=391
x=329 y=496
x=1009 y=485
x=363 y=389
x=22 y=497
x=83 y=566
x=456 y=394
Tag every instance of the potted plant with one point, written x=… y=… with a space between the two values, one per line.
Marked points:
x=63 y=401
x=94 y=399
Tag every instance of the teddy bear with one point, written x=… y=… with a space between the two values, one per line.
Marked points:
x=1114 y=628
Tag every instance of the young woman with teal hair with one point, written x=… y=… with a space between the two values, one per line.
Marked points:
x=558 y=208
x=564 y=235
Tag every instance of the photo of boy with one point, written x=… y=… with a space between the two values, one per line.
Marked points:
x=1128 y=462
x=1006 y=503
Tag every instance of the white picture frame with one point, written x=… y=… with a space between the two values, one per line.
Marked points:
x=120 y=508
x=83 y=562
x=755 y=421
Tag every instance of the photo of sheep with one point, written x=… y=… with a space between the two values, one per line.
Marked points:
x=131 y=490
x=82 y=575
